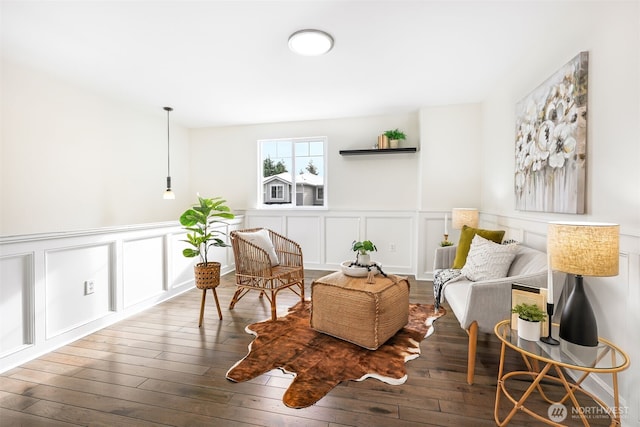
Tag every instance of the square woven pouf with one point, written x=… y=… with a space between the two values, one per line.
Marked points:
x=366 y=314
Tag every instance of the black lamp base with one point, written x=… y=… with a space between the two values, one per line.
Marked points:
x=549 y=339
x=578 y=323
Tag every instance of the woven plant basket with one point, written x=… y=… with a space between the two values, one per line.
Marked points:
x=207 y=275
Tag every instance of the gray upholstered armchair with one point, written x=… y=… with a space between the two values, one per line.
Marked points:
x=478 y=306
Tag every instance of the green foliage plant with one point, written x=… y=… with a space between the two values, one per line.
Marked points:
x=530 y=312
x=363 y=247
x=269 y=168
x=395 y=134
x=198 y=222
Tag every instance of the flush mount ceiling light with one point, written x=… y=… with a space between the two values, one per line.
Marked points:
x=310 y=42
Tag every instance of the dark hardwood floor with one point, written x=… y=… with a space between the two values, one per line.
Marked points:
x=159 y=368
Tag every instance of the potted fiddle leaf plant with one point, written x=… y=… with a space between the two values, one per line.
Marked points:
x=362 y=250
x=529 y=318
x=394 y=135
x=199 y=221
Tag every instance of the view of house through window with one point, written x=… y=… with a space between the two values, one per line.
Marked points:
x=293 y=172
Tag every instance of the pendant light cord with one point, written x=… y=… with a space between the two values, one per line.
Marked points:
x=169 y=109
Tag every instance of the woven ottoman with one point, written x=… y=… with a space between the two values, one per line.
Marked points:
x=366 y=314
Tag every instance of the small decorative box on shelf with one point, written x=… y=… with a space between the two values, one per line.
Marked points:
x=378 y=151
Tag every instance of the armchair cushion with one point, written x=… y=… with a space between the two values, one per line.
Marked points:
x=464 y=244
x=262 y=240
x=488 y=260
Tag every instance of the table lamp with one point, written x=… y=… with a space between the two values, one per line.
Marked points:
x=582 y=249
x=464 y=216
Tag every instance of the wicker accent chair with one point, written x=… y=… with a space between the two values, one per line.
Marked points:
x=255 y=269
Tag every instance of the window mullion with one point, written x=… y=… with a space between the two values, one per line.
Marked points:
x=294 y=185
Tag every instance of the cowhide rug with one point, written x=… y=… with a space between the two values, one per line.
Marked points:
x=320 y=362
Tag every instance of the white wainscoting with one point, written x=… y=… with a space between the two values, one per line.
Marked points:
x=326 y=236
x=66 y=270
x=16 y=298
x=43 y=304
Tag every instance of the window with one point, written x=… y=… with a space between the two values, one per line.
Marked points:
x=293 y=172
x=277 y=191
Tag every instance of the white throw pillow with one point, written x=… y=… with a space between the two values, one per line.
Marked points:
x=262 y=240
x=488 y=260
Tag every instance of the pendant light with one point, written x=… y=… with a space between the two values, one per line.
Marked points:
x=168 y=194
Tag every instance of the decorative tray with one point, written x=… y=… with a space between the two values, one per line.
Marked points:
x=357 y=271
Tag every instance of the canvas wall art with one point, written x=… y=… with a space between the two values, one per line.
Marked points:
x=551 y=139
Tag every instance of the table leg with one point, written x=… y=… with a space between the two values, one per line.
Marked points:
x=499 y=386
x=570 y=388
x=616 y=400
x=519 y=405
x=534 y=368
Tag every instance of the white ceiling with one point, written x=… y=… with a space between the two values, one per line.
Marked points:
x=227 y=62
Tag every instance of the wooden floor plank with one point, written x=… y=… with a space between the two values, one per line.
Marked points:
x=159 y=368
x=15 y=418
x=82 y=416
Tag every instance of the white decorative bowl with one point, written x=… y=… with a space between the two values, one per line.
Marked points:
x=356 y=271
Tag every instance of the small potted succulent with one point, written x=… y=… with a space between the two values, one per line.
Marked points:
x=362 y=250
x=394 y=135
x=529 y=318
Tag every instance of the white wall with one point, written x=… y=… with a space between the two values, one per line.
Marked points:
x=365 y=189
x=72 y=159
x=224 y=162
x=451 y=139
x=610 y=32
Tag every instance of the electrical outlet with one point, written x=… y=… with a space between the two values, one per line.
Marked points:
x=89 y=287
x=392 y=247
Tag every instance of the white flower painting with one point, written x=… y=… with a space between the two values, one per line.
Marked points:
x=551 y=138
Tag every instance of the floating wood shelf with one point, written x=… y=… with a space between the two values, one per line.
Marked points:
x=378 y=151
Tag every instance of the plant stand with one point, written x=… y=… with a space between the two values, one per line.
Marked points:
x=207 y=277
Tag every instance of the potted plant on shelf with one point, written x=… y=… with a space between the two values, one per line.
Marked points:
x=362 y=250
x=198 y=221
x=394 y=135
x=529 y=318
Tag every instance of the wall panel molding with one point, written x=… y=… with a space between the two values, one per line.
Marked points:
x=16 y=303
x=42 y=297
x=326 y=236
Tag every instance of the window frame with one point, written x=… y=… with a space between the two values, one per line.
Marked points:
x=261 y=192
x=279 y=189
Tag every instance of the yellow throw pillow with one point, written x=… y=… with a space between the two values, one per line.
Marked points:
x=466 y=236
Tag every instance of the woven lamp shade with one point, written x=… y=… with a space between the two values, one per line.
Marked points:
x=464 y=216
x=586 y=249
